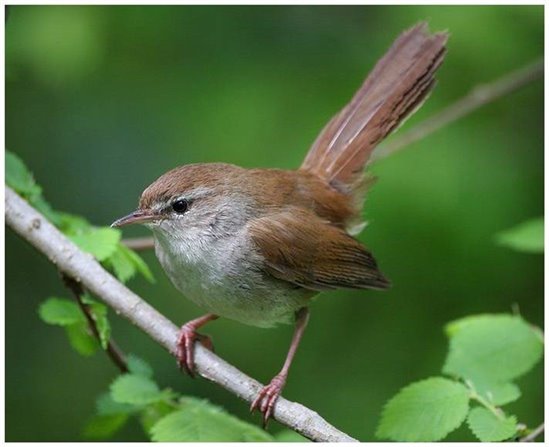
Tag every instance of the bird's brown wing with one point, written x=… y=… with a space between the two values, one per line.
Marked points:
x=302 y=249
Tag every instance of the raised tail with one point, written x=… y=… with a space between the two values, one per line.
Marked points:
x=396 y=87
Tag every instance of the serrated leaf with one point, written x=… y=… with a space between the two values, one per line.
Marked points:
x=106 y=406
x=61 y=312
x=200 y=421
x=136 y=390
x=493 y=349
x=289 y=436
x=498 y=393
x=22 y=181
x=81 y=340
x=526 y=237
x=138 y=366
x=19 y=177
x=487 y=427
x=100 y=242
x=424 y=411
x=104 y=426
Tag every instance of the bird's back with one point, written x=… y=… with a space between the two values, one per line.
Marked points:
x=277 y=189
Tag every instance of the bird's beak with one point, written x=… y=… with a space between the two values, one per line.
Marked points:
x=138 y=216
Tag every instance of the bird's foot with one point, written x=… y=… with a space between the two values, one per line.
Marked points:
x=267 y=397
x=185 y=346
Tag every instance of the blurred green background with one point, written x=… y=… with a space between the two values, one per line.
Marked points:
x=102 y=100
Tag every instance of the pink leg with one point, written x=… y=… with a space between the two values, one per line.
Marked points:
x=186 y=339
x=266 y=399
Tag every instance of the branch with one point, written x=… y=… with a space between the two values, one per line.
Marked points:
x=113 y=351
x=70 y=260
x=531 y=437
x=139 y=243
x=478 y=96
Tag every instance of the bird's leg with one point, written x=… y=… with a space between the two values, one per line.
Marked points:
x=186 y=339
x=266 y=399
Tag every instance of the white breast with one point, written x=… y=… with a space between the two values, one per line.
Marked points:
x=223 y=276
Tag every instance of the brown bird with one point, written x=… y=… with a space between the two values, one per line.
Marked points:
x=255 y=245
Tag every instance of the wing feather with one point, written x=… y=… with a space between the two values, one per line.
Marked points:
x=302 y=249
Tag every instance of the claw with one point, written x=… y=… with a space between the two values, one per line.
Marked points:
x=185 y=342
x=185 y=347
x=267 y=397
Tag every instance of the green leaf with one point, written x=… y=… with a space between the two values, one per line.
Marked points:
x=104 y=329
x=72 y=224
x=135 y=389
x=139 y=264
x=100 y=242
x=492 y=348
x=527 y=236
x=252 y=433
x=22 y=181
x=99 y=313
x=152 y=413
x=498 y=393
x=61 y=312
x=200 y=421
x=121 y=264
x=453 y=327
x=424 y=411
x=81 y=340
x=87 y=299
x=125 y=263
x=104 y=426
x=289 y=436
x=487 y=427
x=19 y=177
x=139 y=366
x=106 y=406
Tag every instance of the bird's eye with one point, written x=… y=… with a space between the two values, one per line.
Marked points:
x=180 y=206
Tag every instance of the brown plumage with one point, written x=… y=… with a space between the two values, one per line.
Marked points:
x=255 y=245
x=300 y=189
x=302 y=217
x=395 y=88
x=301 y=248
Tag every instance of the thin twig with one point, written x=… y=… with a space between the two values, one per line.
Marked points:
x=139 y=243
x=113 y=351
x=69 y=259
x=479 y=96
x=530 y=437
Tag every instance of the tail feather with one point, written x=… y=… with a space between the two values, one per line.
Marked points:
x=396 y=87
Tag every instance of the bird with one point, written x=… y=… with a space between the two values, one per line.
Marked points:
x=256 y=245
